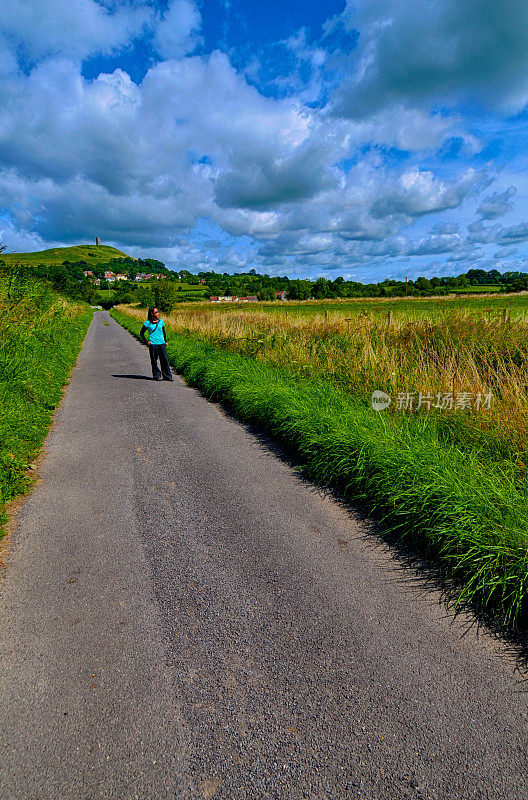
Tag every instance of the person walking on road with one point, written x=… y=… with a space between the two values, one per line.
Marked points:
x=157 y=345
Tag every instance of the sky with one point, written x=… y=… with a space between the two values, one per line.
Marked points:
x=371 y=139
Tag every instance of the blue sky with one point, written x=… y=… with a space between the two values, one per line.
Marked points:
x=369 y=139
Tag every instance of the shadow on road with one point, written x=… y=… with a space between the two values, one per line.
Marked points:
x=413 y=566
x=135 y=377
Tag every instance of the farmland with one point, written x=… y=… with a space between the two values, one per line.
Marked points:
x=482 y=303
x=445 y=464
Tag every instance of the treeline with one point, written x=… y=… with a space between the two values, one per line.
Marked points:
x=267 y=287
x=183 y=286
x=166 y=294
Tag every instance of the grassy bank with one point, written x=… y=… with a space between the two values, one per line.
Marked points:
x=457 y=498
x=41 y=336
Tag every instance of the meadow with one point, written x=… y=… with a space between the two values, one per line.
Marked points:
x=41 y=334
x=488 y=304
x=445 y=465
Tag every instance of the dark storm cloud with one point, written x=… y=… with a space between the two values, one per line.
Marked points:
x=419 y=52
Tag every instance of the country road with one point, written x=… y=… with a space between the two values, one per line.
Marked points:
x=183 y=616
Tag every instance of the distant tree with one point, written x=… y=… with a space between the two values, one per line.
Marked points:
x=321 y=288
x=124 y=292
x=166 y=295
x=520 y=284
x=423 y=285
x=299 y=290
x=145 y=296
x=125 y=297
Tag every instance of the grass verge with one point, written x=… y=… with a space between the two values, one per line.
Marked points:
x=41 y=336
x=466 y=511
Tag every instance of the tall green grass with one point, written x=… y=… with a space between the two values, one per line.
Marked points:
x=453 y=501
x=41 y=335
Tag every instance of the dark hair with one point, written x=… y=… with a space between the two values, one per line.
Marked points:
x=151 y=313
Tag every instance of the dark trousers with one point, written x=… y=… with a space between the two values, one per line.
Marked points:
x=159 y=351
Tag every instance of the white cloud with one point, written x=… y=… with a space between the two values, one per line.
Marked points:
x=177 y=32
x=409 y=129
x=507 y=252
x=77 y=30
x=514 y=234
x=428 y=245
x=479 y=234
x=141 y=165
x=114 y=147
x=418 y=192
x=497 y=204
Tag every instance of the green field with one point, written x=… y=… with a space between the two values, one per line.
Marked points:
x=93 y=254
x=105 y=295
x=192 y=287
x=419 y=307
x=490 y=306
x=477 y=289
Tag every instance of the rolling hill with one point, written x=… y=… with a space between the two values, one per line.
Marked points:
x=92 y=254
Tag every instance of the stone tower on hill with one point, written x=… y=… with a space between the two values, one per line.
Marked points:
x=97 y=240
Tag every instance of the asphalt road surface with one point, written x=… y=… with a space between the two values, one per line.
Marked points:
x=183 y=616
